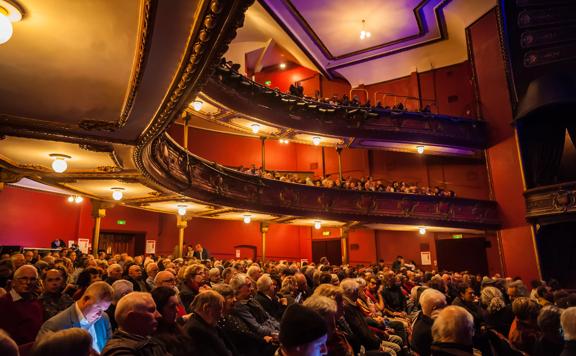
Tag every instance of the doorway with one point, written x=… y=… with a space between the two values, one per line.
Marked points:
x=331 y=249
x=132 y=243
x=557 y=252
x=468 y=254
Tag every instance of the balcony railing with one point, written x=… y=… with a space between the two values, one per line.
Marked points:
x=172 y=166
x=550 y=204
x=248 y=97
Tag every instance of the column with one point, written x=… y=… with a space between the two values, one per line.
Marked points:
x=98 y=212
x=263 y=231
x=339 y=151
x=344 y=232
x=263 y=153
x=181 y=223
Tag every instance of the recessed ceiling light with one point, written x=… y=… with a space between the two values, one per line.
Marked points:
x=9 y=12
x=117 y=193
x=420 y=149
x=182 y=209
x=255 y=128
x=317 y=224
x=422 y=230
x=316 y=140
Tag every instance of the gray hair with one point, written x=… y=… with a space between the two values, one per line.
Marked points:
x=130 y=302
x=429 y=299
x=22 y=268
x=568 y=321
x=237 y=281
x=454 y=324
x=112 y=267
x=492 y=299
x=323 y=305
x=264 y=283
x=349 y=286
x=252 y=270
x=121 y=288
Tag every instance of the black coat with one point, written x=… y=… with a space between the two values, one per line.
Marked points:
x=207 y=339
x=422 y=335
x=359 y=327
x=569 y=348
x=272 y=306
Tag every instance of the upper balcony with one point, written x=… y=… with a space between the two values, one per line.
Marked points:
x=359 y=127
x=181 y=171
x=551 y=204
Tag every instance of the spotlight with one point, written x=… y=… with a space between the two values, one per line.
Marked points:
x=317 y=224
x=117 y=193
x=316 y=140
x=182 y=210
x=255 y=128
x=247 y=218
x=78 y=199
x=59 y=164
x=422 y=230
x=282 y=65
x=420 y=149
x=197 y=105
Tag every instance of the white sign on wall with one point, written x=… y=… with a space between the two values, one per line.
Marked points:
x=151 y=246
x=426 y=258
x=83 y=245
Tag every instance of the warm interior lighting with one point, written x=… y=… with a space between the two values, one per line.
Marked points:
x=282 y=65
x=422 y=230
x=247 y=218
x=117 y=193
x=316 y=140
x=197 y=105
x=317 y=224
x=420 y=149
x=78 y=199
x=255 y=128
x=182 y=210
x=71 y=199
x=9 y=13
x=364 y=34
x=59 y=164
x=284 y=141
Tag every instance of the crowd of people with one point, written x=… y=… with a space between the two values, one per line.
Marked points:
x=368 y=184
x=64 y=302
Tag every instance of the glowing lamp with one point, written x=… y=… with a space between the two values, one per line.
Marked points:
x=71 y=199
x=420 y=149
x=317 y=224
x=282 y=66
x=182 y=210
x=247 y=218
x=78 y=199
x=197 y=105
x=422 y=230
x=117 y=193
x=9 y=13
x=316 y=140
x=255 y=128
x=59 y=164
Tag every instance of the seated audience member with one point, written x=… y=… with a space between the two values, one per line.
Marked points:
x=8 y=346
x=137 y=320
x=568 y=322
x=550 y=342
x=431 y=302
x=135 y=276
x=114 y=273
x=151 y=271
x=201 y=253
x=245 y=341
x=202 y=328
x=68 y=342
x=358 y=325
x=52 y=298
x=121 y=288
x=326 y=307
x=87 y=313
x=249 y=310
x=303 y=332
x=267 y=298
x=496 y=314
x=524 y=329
x=168 y=332
x=452 y=332
x=21 y=313
x=85 y=279
x=466 y=299
x=18 y=260
x=165 y=279
x=214 y=276
x=192 y=284
x=516 y=289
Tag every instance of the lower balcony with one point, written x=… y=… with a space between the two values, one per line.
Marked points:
x=551 y=204
x=171 y=166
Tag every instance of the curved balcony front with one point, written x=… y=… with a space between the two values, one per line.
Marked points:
x=551 y=204
x=369 y=127
x=172 y=166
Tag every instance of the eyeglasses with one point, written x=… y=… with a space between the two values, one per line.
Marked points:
x=172 y=280
x=27 y=279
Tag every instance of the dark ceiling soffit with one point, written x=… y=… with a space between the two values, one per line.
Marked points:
x=324 y=72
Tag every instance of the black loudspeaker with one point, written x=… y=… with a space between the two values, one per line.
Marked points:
x=10 y=249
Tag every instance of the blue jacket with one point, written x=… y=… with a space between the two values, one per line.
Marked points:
x=68 y=318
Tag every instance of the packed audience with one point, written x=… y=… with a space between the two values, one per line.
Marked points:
x=67 y=303
x=368 y=184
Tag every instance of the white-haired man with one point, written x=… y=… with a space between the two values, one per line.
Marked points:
x=87 y=313
x=432 y=302
x=137 y=320
x=21 y=313
x=452 y=332
x=568 y=322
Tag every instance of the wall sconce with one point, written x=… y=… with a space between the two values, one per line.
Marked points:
x=59 y=164
x=117 y=193
x=9 y=12
x=75 y=199
x=316 y=140
x=247 y=218
x=317 y=224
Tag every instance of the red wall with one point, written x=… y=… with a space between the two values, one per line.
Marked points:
x=282 y=79
x=516 y=237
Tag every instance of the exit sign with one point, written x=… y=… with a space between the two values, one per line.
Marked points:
x=457 y=236
x=268 y=82
x=121 y=222
x=326 y=233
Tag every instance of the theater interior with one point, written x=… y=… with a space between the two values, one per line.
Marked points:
x=143 y=126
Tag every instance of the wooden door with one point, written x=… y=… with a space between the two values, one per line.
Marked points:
x=122 y=242
x=458 y=255
x=332 y=249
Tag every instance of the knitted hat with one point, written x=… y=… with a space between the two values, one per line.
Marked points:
x=301 y=325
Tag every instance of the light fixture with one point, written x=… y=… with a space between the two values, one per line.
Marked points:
x=420 y=149
x=182 y=209
x=422 y=230
x=59 y=164
x=364 y=34
x=255 y=128
x=282 y=65
x=9 y=12
x=316 y=140
x=247 y=218
x=71 y=199
x=197 y=104
x=317 y=224
x=78 y=199
x=117 y=193
x=284 y=141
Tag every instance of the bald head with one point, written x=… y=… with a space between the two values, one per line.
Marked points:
x=136 y=314
x=165 y=279
x=432 y=301
x=454 y=324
